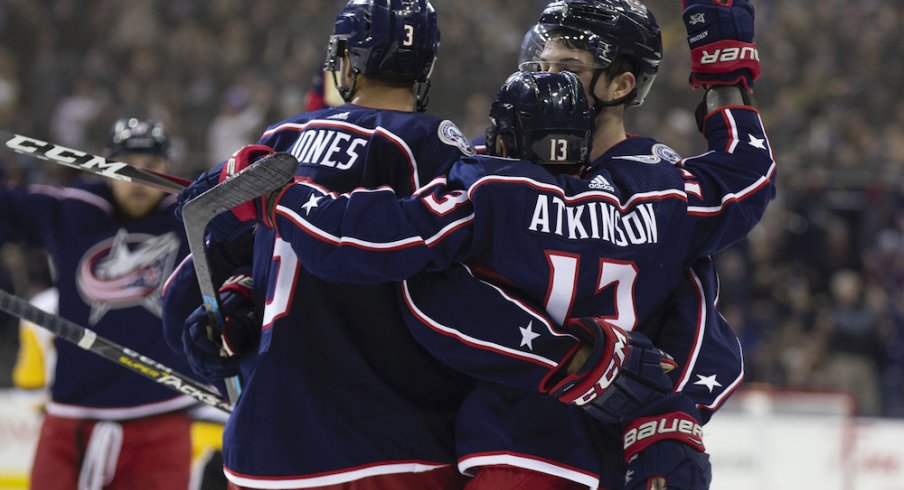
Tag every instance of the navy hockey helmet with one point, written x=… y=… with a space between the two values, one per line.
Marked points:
x=395 y=40
x=132 y=135
x=531 y=46
x=542 y=117
x=610 y=29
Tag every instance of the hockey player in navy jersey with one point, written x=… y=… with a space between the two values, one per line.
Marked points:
x=112 y=245
x=336 y=391
x=720 y=194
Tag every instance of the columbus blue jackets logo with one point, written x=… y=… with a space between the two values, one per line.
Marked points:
x=125 y=271
x=658 y=153
x=449 y=134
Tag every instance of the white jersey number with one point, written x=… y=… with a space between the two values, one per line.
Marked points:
x=563 y=279
x=287 y=268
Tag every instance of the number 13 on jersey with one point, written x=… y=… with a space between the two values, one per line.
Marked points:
x=563 y=280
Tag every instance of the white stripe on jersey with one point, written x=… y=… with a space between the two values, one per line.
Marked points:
x=339 y=477
x=472 y=341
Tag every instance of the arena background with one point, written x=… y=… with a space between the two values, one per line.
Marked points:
x=815 y=293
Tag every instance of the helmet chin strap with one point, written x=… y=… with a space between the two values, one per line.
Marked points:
x=346 y=93
x=600 y=104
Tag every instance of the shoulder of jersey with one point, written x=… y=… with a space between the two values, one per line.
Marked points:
x=645 y=150
x=448 y=133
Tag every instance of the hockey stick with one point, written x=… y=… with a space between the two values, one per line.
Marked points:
x=265 y=175
x=89 y=340
x=91 y=163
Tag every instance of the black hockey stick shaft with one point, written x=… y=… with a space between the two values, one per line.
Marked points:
x=95 y=164
x=89 y=340
x=263 y=176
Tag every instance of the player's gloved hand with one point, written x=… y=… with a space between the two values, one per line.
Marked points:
x=666 y=450
x=228 y=226
x=720 y=35
x=215 y=354
x=623 y=371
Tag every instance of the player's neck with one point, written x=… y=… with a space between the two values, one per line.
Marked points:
x=391 y=98
x=610 y=130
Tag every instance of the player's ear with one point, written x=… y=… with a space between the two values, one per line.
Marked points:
x=501 y=150
x=622 y=85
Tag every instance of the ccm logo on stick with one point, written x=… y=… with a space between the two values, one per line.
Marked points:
x=66 y=156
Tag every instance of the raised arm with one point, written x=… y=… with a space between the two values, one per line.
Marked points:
x=32 y=214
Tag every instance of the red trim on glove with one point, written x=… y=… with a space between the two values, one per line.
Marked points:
x=588 y=386
x=646 y=431
x=239 y=161
x=724 y=57
x=238 y=284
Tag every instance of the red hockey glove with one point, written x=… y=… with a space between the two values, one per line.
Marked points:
x=667 y=448
x=228 y=226
x=239 y=161
x=241 y=332
x=623 y=372
x=720 y=35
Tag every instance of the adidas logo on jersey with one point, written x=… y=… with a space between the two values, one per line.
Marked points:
x=600 y=182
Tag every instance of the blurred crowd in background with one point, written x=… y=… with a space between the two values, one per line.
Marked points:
x=816 y=293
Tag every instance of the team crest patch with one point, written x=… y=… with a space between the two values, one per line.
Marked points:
x=126 y=270
x=666 y=153
x=449 y=134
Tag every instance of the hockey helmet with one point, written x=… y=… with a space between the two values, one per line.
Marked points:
x=542 y=117
x=609 y=29
x=132 y=135
x=531 y=47
x=395 y=40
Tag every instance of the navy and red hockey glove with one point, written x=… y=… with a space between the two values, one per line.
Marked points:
x=720 y=35
x=228 y=226
x=666 y=450
x=215 y=354
x=623 y=372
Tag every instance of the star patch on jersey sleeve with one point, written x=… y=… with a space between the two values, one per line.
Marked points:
x=528 y=335
x=757 y=142
x=708 y=381
x=311 y=204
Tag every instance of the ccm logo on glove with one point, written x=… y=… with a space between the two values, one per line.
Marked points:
x=612 y=370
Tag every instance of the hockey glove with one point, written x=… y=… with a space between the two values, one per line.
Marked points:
x=667 y=448
x=228 y=226
x=622 y=373
x=216 y=356
x=720 y=35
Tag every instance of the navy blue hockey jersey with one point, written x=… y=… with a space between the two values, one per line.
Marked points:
x=614 y=243
x=339 y=389
x=110 y=271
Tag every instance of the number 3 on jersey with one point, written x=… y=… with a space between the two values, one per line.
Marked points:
x=563 y=279
x=286 y=271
